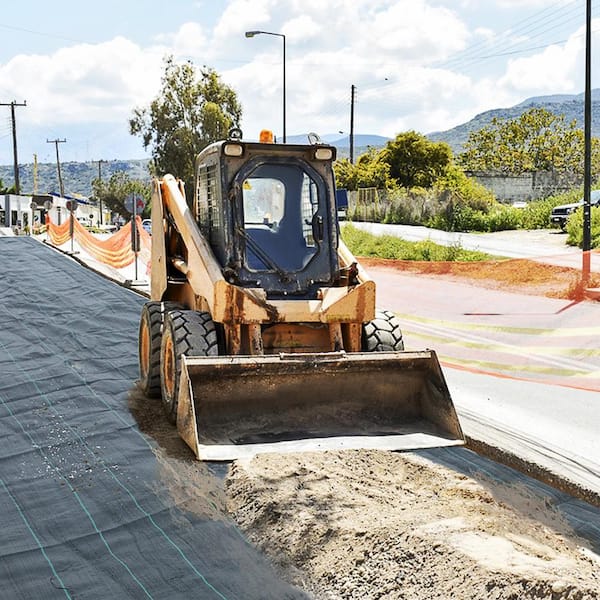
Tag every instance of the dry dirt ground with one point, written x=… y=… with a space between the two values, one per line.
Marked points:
x=376 y=525
x=380 y=525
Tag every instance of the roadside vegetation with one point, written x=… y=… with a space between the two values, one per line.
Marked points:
x=477 y=268
x=362 y=243
x=414 y=181
x=575 y=228
x=452 y=210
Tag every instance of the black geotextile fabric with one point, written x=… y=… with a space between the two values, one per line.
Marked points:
x=83 y=512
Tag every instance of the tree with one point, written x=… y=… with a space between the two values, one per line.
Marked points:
x=415 y=161
x=538 y=140
x=112 y=193
x=6 y=190
x=189 y=113
x=369 y=171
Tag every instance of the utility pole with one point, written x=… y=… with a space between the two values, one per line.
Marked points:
x=587 y=161
x=56 y=142
x=100 y=179
x=352 y=98
x=35 y=174
x=14 y=134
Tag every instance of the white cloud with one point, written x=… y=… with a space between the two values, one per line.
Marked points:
x=303 y=28
x=392 y=50
x=365 y=43
x=83 y=83
x=189 y=40
x=416 y=30
x=557 y=68
x=242 y=15
x=527 y=3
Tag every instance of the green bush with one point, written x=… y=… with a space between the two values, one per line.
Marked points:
x=502 y=218
x=458 y=215
x=458 y=203
x=575 y=228
x=536 y=215
x=409 y=207
x=456 y=184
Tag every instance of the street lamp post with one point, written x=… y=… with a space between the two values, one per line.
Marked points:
x=587 y=161
x=250 y=34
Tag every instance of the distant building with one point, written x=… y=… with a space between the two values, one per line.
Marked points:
x=526 y=186
x=20 y=213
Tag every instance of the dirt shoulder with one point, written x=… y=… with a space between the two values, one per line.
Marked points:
x=382 y=525
x=514 y=275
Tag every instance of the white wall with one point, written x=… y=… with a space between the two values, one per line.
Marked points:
x=17 y=211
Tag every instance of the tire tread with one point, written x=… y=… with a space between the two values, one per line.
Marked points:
x=383 y=333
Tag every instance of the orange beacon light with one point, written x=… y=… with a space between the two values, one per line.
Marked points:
x=266 y=136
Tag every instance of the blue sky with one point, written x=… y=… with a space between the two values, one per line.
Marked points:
x=417 y=64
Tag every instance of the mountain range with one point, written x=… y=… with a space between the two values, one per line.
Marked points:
x=77 y=176
x=569 y=105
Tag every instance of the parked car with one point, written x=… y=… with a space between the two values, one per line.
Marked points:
x=147 y=225
x=560 y=214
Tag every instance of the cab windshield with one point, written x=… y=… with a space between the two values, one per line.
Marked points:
x=282 y=224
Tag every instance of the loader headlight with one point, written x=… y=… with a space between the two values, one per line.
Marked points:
x=323 y=154
x=233 y=149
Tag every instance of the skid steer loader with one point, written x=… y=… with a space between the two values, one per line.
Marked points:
x=262 y=332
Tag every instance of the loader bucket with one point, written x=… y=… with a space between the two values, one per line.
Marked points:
x=238 y=406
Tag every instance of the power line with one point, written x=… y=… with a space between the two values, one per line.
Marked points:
x=535 y=27
x=41 y=33
x=500 y=40
x=522 y=28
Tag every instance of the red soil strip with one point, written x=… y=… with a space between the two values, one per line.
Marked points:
x=514 y=275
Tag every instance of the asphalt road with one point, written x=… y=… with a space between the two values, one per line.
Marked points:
x=524 y=371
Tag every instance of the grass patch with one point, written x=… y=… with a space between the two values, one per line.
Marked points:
x=361 y=243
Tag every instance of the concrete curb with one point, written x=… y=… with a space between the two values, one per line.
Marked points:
x=533 y=470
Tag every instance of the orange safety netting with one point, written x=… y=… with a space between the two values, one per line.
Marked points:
x=114 y=251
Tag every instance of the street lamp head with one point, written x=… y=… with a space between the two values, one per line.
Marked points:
x=250 y=34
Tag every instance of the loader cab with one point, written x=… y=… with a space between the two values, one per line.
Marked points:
x=268 y=211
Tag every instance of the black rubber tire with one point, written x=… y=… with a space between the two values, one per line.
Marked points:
x=149 y=340
x=383 y=333
x=185 y=332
